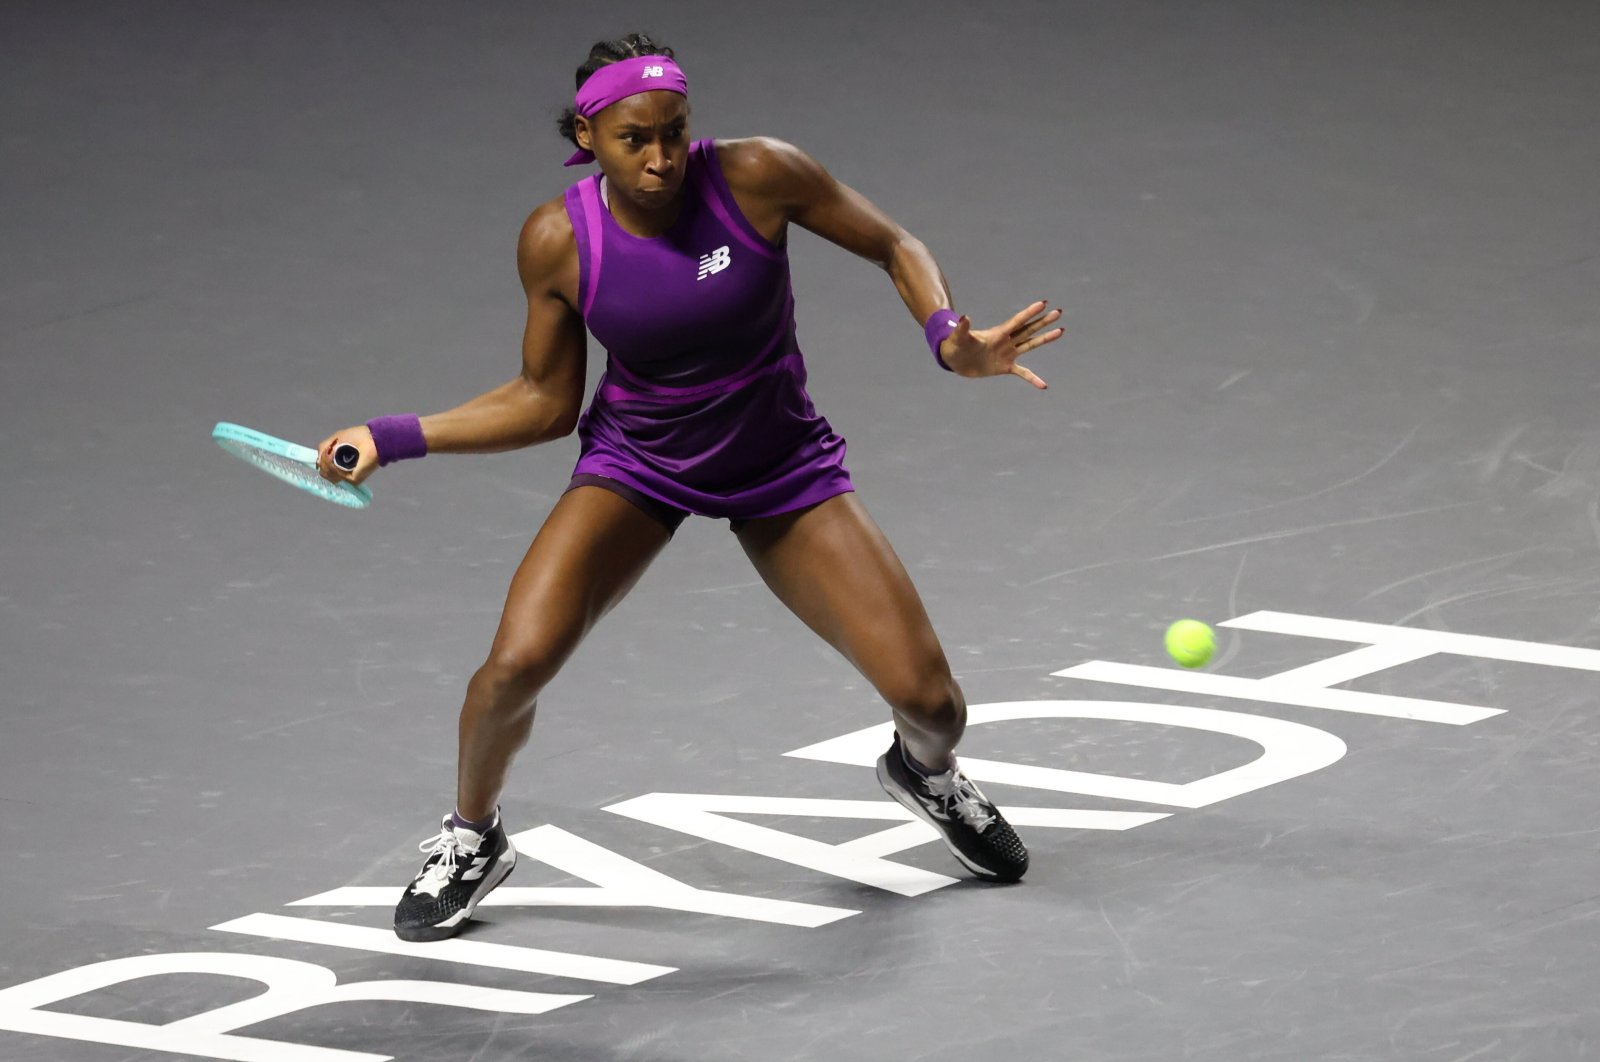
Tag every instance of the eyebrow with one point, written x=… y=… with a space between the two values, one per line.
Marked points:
x=632 y=126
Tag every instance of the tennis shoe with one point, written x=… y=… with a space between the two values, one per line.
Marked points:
x=972 y=827
x=461 y=869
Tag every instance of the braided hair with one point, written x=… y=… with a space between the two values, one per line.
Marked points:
x=603 y=54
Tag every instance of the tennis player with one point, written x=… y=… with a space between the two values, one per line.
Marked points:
x=674 y=256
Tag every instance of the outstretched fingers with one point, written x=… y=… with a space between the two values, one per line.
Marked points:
x=1036 y=340
x=1034 y=324
x=1028 y=333
x=1025 y=331
x=1028 y=375
x=1023 y=316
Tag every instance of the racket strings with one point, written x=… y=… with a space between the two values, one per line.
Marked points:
x=274 y=463
x=288 y=461
x=299 y=473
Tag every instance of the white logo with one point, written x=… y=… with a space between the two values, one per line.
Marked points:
x=654 y=71
x=715 y=262
x=475 y=871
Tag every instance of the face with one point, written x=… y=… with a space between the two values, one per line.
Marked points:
x=642 y=146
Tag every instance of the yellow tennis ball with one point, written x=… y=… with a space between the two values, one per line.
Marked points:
x=1191 y=643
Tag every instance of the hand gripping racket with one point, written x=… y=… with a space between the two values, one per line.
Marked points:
x=293 y=463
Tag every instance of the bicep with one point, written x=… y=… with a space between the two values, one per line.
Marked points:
x=553 y=346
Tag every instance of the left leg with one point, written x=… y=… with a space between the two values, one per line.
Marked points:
x=832 y=566
x=837 y=572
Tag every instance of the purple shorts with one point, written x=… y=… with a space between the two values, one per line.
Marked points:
x=740 y=449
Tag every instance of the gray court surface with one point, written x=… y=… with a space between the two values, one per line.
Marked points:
x=1333 y=351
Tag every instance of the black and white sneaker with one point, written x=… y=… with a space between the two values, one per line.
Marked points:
x=461 y=869
x=973 y=829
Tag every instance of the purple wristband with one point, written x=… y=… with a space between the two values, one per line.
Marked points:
x=397 y=437
x=939 y=325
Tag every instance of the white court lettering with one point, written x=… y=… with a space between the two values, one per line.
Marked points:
x=861 y=860
x=292 y=985
x=1288 y=750
x=466 y=952
x=617 y=882
x=1308 y=686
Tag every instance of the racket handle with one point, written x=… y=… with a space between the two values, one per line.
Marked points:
x=346 y=456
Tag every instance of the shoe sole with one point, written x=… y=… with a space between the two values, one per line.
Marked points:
x=452 y=925
x=892 y=787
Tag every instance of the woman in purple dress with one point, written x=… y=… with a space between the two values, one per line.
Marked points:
x=674 y=257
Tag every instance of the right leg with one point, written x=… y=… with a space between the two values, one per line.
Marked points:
x=591 y=550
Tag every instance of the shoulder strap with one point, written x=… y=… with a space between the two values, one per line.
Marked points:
x=713 y=188
x=583 y=208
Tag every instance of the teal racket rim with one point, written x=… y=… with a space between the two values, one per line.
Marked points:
x=290 y=462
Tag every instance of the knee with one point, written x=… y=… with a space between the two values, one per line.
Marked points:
x=934 y=704
x=516 y=672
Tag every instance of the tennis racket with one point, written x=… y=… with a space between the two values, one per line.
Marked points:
x=293 y=463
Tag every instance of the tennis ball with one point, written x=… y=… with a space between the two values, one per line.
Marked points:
x=1190 y=643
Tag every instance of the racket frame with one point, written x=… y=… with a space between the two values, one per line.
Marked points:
x=239 y=440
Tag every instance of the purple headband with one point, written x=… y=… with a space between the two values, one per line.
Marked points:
x=619 y=80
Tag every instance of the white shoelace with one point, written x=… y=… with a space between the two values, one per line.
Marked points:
x=448 y=846
x=961 y=797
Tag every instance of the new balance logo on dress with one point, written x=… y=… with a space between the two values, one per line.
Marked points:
x=715 y=262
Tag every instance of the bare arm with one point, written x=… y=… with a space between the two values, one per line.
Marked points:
x=795 y=184
x=544 y=399
x=798 y=186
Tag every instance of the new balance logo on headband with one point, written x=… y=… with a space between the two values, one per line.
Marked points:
x=715 y=262
x=654 y=71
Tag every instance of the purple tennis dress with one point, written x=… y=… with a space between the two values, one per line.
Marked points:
x=703 y=405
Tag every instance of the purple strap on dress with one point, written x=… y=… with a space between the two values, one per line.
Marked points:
x=619 y=80
x=613 y=392
x=732 y=219
x=398 y=437
x=594 y=243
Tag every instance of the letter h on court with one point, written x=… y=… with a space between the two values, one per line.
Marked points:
x=1310 y=686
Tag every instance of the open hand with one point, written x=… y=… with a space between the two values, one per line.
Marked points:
x=994 y=351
